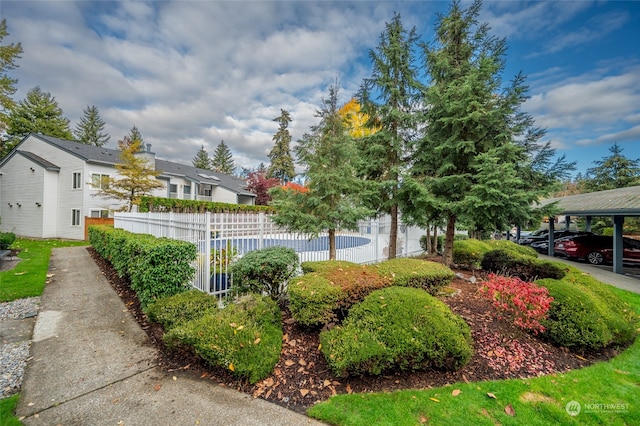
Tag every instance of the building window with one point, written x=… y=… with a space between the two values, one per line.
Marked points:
x=99 y=181
x=77 y=180
x=100 y=213
x=75 y=217
x=187 y=190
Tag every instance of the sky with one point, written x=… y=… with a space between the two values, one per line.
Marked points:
x=189 y=74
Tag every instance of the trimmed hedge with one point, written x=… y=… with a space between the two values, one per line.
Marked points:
x=524 y=267
x=244 y=337
x=160 y=204
x=156 y=267
x=325 y=265
x=180 y=308
x=429 y=276
x=585 y=314
x=470 y=252
x=313 y=300
x=397 y=328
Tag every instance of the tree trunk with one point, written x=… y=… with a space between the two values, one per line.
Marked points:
x=428 y=240
x=393 y=232
x=434 y=246
x=447 y=257
x=332 y=244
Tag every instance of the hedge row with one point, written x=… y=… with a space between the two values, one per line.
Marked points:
x=470 y=252
x=328 y=290
x=160 y=204
x=156 y=267
x=397 y=328
x=526 y=268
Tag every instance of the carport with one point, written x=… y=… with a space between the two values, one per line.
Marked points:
x=616 y=203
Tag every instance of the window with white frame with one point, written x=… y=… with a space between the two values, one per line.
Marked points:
x=99 y=213
x=187 y=190
x=75 y=217
x=77 y=180
x=99 y=181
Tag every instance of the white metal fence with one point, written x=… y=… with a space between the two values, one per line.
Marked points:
x=223 y=237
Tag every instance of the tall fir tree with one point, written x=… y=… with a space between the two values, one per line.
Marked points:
x=9 y=52
x=330 y=201
x=90 y=127
x=202 y=160
x=38 y=112
x=281 y=166
x=613 y=171
x=222 y=160
x=390 y=98
x=466 y=167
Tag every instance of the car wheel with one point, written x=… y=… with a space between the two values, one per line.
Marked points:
x=595 y=258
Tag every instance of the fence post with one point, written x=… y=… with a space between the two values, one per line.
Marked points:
x=208 y=232
x=375 y=225
x=261 y=219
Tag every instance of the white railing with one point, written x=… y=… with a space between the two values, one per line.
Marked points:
x=223 y=237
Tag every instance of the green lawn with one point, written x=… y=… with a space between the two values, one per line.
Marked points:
x=7 y=407
x=28 y=278
x=608 y=394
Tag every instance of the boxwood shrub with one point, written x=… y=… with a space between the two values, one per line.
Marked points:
x=586 y=314
x=429 y=276
x=524 y=267
x=180 y=308
x=470 y=252
x=313 y=300
x=325 y=265
x=397 y=328
x=244 y=337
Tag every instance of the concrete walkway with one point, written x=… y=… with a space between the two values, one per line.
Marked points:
x=93 y=365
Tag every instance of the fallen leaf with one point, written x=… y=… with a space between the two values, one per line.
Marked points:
x=490 y=395
x=289 y=363
x=255 y=342
x=434 y=400
x=509 y=410
x=579 y=357
x=157 y=387
x=175 y=378
x=204 y=375
x=302 y=362
x=268 y=382
x=456 y=392
x=304 y=392
x=231 y=367
x=349 y=389
x=327 y=383
x=319 y=346
x=423 y=419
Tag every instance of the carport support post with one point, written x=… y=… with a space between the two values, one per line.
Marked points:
x=567 y=223
x=618 y=267
x=551 y=224
x=588 y=224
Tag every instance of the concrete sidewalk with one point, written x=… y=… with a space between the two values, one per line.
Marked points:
x=93 y=365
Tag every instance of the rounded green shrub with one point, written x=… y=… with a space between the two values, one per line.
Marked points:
x=6 y=239
x=429 y=276
x=244 y=337
x=586 y=314
x=324 y=265
x=397 y=328
x=313 y=300
x=265 y=271
x=180 y=308
x=469 y=252
x=512 y=247
x=524 y=267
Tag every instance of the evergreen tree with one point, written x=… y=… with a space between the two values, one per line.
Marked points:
x=389 y=98
x=202 y=160
x=281 y=161
x=330 y=200
x=467 y=165
x=89 y=129
x=138 y=176
x=614 y=171
x=8 y=55
x=222 y=160
x=136 y=136
x=38 y=113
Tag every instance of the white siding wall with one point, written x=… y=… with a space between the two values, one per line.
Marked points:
x=21 y=189
x=222 y=195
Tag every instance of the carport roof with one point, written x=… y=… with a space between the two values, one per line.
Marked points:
x=613 y=202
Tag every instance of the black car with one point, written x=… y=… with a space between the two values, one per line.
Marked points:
x=542 y=236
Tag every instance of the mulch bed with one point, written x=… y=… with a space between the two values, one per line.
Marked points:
x=302 y=377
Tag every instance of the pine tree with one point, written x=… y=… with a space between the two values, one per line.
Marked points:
x=466 y=167
x=330 y=200
x=614 y=171
x=139 y=177
x=222 y=160
x=202 y=160
x=281 y=161
x=392 y=118
x=89 y=129
x=8 y=55
x=38 y=112
x=136 y=136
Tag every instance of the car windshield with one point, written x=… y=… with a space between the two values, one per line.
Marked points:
x=539 y=232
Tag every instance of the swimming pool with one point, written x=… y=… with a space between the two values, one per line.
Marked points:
x=245 y=245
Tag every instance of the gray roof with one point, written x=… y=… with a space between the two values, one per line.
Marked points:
x=613 y=202
x=39 y=160
x=107 y=156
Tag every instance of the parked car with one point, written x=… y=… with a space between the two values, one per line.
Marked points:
x=597 y=249
x=543 y=246
x=542 y=235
